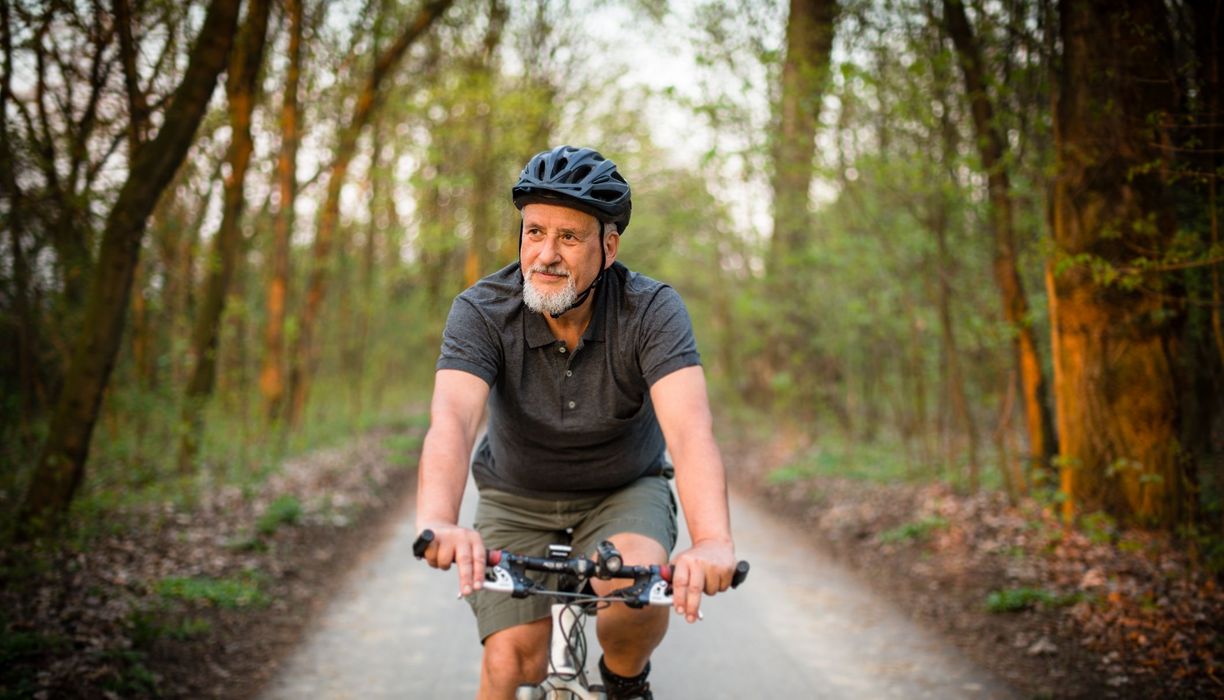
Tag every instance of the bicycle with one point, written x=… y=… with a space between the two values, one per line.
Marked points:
x=506 y=572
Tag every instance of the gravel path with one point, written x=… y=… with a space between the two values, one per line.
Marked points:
x=801 y=626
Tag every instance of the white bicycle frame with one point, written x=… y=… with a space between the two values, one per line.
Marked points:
x=565 y=681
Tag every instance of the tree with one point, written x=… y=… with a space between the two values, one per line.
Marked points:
x=805 y=69
x=305 y=355
x=809 y=40
x=241 y=88
x=1115 y=337
x=992 y=150
x=271 y=376
x=62 y=463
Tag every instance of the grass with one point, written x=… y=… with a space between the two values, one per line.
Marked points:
x=22 y=654
x=149 y=626
x=222 y=592
x=404 y=448
x=1011 y=600
x=879 y=462
x=285 y=510
x=131 y=678
x=917 y=530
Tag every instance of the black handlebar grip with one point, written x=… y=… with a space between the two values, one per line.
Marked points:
x=741 y=573
x=422 y=543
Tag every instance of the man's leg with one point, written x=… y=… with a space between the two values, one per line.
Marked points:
x=629 y=636
x=514 y=656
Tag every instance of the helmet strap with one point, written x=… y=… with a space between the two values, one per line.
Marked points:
x=603 y=260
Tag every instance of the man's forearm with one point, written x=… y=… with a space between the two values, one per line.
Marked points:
x=701 y=483
x=442 y=476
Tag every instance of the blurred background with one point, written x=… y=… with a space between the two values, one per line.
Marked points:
x=969 y=242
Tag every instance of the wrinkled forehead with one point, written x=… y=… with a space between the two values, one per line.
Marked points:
x=555 y=216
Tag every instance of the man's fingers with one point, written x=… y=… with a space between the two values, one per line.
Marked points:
x=692 y=593
x=463 y=557
x=478 y=565
x=445 y=556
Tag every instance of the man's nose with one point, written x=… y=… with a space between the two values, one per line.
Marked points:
x=550 y=249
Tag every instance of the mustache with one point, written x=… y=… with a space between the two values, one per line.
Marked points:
x=550 y=270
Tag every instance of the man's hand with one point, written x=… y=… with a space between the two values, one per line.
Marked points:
x=706 y=567
x=457 y=545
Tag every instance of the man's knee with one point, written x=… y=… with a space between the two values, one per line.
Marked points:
x=517 y=654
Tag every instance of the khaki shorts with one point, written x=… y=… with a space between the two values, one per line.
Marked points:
x=528 y=525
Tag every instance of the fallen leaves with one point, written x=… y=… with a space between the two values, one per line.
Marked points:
x=160 y=601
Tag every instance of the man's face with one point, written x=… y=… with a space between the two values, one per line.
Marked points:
x=560 y=255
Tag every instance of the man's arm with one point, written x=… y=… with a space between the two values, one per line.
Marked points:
x=455 y=415
x=683 y=409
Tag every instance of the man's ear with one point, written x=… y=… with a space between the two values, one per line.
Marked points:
x=611 y=245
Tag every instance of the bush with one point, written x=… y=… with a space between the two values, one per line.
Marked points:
x=1011 y=600
x=285 y=510
x=226 y=593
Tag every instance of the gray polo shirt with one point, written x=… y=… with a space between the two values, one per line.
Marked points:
x=568 y=424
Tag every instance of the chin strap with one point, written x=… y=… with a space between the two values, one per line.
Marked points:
x=603 y=260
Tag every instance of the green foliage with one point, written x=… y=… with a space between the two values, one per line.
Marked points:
x=1099 y=527
x=130 y=676
x=22 y=653
x=225 y=592
x=147 y=627
x=285 y=510
x=916 y=531
x=1011 y=600
x=404 y=448
x=881 y=462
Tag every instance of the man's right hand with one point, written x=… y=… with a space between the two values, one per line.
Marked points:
x=457 y=545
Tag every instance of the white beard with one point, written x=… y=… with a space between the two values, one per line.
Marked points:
x=554 y=303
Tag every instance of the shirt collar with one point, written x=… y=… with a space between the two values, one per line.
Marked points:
x=538 y=334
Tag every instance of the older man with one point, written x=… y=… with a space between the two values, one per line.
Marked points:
x=588 y=371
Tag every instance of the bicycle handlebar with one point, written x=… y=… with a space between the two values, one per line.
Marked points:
x=579 y=566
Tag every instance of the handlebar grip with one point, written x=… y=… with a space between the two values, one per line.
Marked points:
x=422 y=543
x=741 y=573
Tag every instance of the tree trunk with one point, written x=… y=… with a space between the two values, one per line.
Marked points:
x=485 y=166
x=992 y=151
x=305 y=355
x=1116 y=346
x=241 y=87
x=10 y=191
x=62 y=463
x=809 y=41
x=955 y=380
x=271 y=376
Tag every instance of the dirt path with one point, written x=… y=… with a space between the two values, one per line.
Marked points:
x=802 y=626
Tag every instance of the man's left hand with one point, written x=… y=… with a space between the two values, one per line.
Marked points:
x=706 y=567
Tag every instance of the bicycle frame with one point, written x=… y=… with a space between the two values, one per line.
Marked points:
x=565 y=681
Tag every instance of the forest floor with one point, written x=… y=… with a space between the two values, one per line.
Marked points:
x=1057 y=612
x=204 y=602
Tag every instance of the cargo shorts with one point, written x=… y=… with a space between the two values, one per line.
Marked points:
x=528 y=525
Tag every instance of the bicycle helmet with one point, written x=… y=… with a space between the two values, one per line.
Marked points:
x=579 y=178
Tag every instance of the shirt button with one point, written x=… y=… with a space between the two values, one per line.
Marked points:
x=572 y=404
x=569 y=372
x=561 y=350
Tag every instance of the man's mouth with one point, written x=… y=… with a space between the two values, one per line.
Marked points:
x=550 y=276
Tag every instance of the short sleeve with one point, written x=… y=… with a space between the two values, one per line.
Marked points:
x=666 y=342
x=469 y=344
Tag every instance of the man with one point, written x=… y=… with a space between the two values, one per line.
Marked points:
x=583 y=389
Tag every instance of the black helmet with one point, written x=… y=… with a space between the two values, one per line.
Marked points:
x=575 y=177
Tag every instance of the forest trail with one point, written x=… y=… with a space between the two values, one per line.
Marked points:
x=802 y=626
